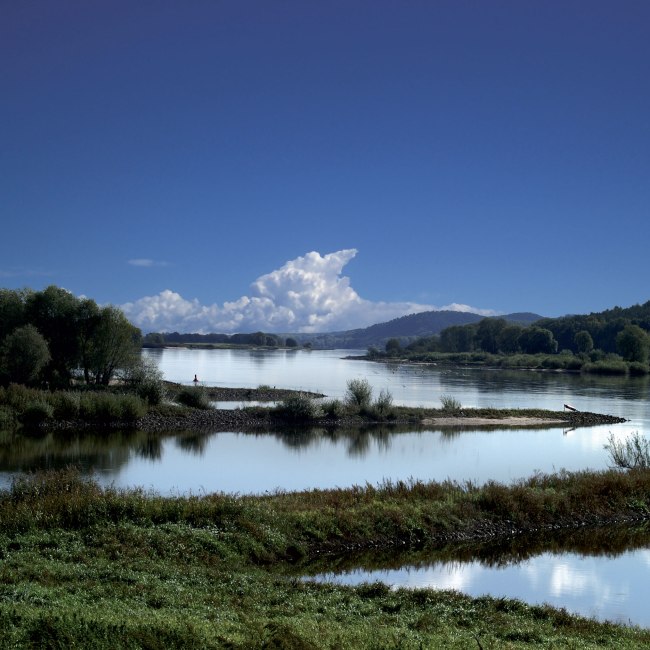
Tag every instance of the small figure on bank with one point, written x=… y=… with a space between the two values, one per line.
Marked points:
x=196 y=379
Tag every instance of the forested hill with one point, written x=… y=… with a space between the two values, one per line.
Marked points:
x=405 y=328
x=603 y=327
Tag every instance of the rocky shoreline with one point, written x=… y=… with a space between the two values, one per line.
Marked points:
x=257 y=419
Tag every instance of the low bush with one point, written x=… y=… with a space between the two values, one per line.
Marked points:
x=358 y=394
x=383 y=405
x=605 y=367
x=299 y=408
x=194 y=396
x=333 y=408
x=633 y=453
x=66 y=405
x=36 y=413
x=638 y=369
x=450 y=404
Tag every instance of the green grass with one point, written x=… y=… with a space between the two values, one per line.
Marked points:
x=89 y=567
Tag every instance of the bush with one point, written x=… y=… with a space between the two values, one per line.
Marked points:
x=132 y=407
x=450 y=404
x=35 y=414
x=358 y=394
x=298 y=407
x=333 y=408
x=634 y=453
x=7 y=418
x=638 y=369
x=146 y=380
x=606 y=367
x=383 y=406
x=66 y=405
x=194 y=396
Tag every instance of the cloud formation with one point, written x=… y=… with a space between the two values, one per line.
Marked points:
x=307 y=294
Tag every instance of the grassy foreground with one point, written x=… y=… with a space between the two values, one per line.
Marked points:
x=89 y=567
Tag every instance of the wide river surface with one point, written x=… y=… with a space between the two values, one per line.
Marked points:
x=282 y=460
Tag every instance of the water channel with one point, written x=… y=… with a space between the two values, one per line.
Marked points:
x=238 y=462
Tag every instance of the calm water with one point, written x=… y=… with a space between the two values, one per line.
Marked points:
x=607 y=587
x=245 y=463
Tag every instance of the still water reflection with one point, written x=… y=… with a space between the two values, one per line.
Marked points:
x=595 y=581
x=313 y=458
x=290 y=460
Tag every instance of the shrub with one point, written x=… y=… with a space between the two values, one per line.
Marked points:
x=333 y=408
x=358 y=394
x=299 y=407
x=145 y=379
x=606 y=367
x=132 y=407
x=383 y=406
x=66 y=405
x=450 y=404
x=634 y=453
x=194 y=396
x=7 y=418
x=638 y=369
x=36 y=413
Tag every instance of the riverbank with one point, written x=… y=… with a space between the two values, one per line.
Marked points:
x=610 y=365
x=260 y=418
x=102 y=568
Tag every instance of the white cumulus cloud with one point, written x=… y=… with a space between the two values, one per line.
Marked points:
x=307 y=294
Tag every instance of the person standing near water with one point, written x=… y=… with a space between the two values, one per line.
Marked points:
x=196 y=379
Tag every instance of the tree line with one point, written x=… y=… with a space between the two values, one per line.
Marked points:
x=50 y=337
x=616 y=331
x=261 y=339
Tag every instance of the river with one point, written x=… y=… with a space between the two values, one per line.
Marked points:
x=238 y=462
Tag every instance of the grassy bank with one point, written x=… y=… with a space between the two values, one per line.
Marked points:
x=91 y=567
x=610 y=365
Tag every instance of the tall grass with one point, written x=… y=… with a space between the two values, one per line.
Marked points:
x=299 y=408
x=450 y=404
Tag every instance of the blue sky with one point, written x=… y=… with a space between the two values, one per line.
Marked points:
x=289 y=165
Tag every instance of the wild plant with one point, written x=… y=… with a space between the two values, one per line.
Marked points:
x=358 y=393
x=633 y=453
x=450 y=404
x=299 y=407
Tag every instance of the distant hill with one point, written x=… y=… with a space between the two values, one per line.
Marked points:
x=405 y=328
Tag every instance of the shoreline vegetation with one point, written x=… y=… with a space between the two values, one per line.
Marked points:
x=190 y=408
x=86 y=566
x=562 y=363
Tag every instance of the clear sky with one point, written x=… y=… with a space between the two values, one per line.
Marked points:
x=286 y=165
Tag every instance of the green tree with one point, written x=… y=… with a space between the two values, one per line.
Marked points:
x=487 y=334
x=291 y=342
x=458 y=338
x=115 y=344
x=53 y=312
x=393 y=346
x=24 y=355
x=632 y=343
x=12 y=310
x=536 y=340
x=508 y=339
x=583 y=342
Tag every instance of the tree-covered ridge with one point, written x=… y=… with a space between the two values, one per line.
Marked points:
x=49 y=337
x=612 y=336
x=603 y=327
